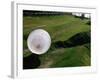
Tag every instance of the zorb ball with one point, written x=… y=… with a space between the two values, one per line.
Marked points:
x=39 y=41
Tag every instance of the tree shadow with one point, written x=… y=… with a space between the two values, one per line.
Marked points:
x=31 y=61
x=76 y=40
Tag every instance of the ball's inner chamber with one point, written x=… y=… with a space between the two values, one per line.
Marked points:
x=38 y=43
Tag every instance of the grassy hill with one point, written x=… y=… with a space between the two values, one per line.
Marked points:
x=60 y=28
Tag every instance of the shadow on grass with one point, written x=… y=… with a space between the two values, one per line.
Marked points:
x=76 y=40
x=31 y=61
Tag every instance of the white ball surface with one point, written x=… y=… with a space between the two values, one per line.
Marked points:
x=39 y=41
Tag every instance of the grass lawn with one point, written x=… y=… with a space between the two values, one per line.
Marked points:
x=60 y=28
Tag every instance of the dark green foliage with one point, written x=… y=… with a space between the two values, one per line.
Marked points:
x=89 y=22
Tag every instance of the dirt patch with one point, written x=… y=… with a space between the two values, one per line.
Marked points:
x=46 y=64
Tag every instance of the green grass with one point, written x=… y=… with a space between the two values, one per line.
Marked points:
x=60 y=28
x=72 y=57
